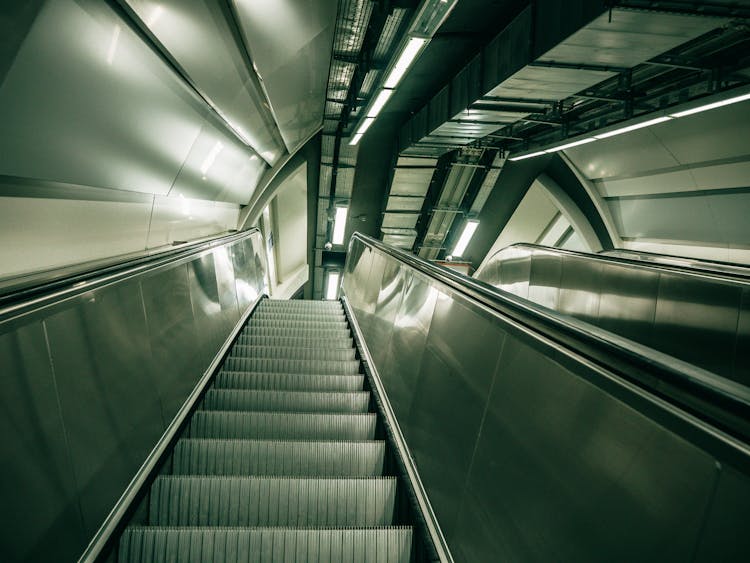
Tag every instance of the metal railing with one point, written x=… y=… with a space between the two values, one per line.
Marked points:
x=720 y=401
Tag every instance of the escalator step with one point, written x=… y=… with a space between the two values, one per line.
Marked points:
x=301 y=316
x=274 y=332
x=265 y=545
x=281 y=365
x=281 y=426
x=296 y=342
x=282 y=304
x=287 y=401
x=264 y=457
x=297 y=324
x=271 y=501
x=242 y=351
x=288 y=381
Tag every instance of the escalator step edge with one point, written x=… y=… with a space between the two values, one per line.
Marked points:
x=265 y=545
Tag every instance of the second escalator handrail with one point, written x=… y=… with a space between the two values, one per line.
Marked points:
x=704 y=394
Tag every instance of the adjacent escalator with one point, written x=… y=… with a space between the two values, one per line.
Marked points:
x=280 y=461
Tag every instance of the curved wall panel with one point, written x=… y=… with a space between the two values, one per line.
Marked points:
x=199 y=36
x=680 y=187
x=106 y=150
x=290 y=43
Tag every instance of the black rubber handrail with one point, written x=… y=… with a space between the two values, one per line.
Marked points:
x=722 y=403
x=23 y=296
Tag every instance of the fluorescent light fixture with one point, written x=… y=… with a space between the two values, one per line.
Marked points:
x=714 y=105
x=379 y=103
x=407 y=57
x=463 y=241
x=365 y=125
x=571 y=145
x=356 y=139
x=332 y=290
x=339 y=225
x=630 y=128
x=525 y=156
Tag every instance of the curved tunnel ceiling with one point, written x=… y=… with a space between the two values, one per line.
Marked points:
x=140 y=124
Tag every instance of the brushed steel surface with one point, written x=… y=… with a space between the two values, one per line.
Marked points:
x=198 y=35
x=99 y=346
x=454 y=378
x=89 y=383
x=290 y=44
x=564 y=471
x=527 y=451
x=407 y=346
x=698 y=317
x=38 y=486
x=174 y=342
x=544 y=279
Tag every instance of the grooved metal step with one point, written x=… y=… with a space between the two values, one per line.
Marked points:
x=265 y=545
x=288 y=381
x=298 y=304
x=266 y=457
x=271 y=501
x=297 y=324
x=251 y=339
x=286 y=332
x=275 y=425
x=243 y=351
x=288 y=401
x=302 y=316
x=279 y=462
x=280 y=365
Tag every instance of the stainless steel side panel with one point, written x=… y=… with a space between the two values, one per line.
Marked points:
x=88 y=386
x=697 y=318
x=99 y=347
x=408 y=343
x=526 y=451
x=697 y=323
x=38 y=487
x=175 y=348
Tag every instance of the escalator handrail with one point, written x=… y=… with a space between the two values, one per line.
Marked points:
x=702 y=270
x=618 y=355
x=732 y=270
x=24 y=298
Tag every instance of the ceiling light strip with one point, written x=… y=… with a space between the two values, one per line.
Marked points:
x=640 y=125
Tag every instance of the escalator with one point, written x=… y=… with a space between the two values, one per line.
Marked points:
x=167 y=410
x=279 y=462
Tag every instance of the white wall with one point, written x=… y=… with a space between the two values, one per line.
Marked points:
x=680 y=187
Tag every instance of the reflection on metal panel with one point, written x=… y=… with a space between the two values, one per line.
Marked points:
x=88 y=102
x=100 y=351
x=526 y=451
x=89 y=384
x=39 y=485
x=290 y=43
x=696 y=318
x=199 y=37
